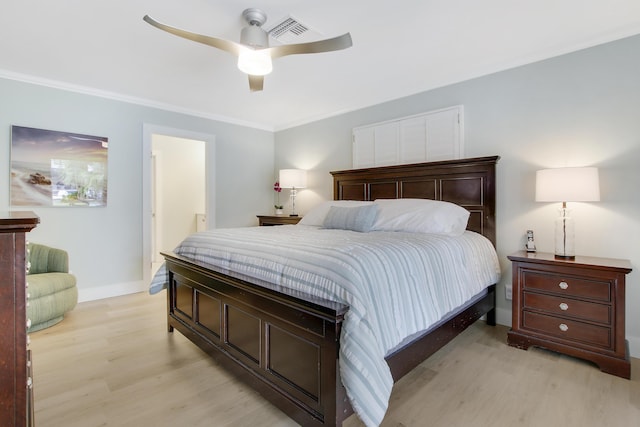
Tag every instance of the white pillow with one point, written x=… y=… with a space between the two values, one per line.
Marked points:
x=318 y=213
x=420 y=216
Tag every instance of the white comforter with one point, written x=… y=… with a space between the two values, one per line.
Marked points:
x=395 y=284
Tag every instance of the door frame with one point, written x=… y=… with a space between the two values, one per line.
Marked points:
x=148 y=130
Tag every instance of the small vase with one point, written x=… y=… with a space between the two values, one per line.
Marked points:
x=279 y=211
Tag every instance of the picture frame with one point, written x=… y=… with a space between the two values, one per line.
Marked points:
x=58 y=169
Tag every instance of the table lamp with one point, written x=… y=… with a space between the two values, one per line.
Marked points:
x=567 y=185
x=293 y=179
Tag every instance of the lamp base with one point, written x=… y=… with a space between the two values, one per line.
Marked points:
x=564 y=236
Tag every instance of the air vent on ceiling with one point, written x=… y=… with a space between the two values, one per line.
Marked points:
x=291 y=30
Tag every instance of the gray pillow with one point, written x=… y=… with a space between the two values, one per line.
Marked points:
x=360 y=218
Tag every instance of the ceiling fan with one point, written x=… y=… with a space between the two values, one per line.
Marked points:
x=253 y=51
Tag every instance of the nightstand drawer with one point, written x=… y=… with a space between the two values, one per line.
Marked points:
x=592 y=311
x=568 y=285
x=567 y=329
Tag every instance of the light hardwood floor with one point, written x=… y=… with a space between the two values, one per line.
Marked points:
x=112 y=363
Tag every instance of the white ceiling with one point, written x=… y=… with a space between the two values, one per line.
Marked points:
x=399 y=48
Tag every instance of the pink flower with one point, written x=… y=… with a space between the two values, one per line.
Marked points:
x=277 y=189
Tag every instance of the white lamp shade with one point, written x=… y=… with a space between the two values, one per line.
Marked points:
x=568 y=185
x=293 y=178
x=255 y=62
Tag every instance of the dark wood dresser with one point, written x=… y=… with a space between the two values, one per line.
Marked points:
x=16 y=397
x=575 y=307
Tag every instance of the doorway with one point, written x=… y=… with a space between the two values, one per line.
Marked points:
x=177 y=189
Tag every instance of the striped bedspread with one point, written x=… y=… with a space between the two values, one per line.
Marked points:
x=395 y=284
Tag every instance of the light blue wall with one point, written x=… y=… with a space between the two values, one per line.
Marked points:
x=105 y=244
x=574 y=110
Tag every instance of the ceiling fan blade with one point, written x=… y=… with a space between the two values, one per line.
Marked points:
x=327 y=45
x=256 y=83
x=225 y=45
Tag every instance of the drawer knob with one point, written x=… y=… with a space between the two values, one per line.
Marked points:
x=563 y=306
x=563 y=285
x=563 y=327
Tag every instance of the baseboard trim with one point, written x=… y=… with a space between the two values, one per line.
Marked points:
x=108 y=291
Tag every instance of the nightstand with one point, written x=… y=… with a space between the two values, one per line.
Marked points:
x=575 y=307
x=277 y=219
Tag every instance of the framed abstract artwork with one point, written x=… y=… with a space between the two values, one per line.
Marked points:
x=51 y=168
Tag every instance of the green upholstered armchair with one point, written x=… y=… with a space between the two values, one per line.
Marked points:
x=52 y=289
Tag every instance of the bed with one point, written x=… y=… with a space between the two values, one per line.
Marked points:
x=286 y=343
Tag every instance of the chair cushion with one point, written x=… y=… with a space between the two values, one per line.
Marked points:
x=49 y=283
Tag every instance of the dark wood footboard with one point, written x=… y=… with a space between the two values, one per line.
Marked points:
x=285 y=348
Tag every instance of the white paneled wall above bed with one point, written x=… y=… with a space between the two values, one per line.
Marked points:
x=431 y=136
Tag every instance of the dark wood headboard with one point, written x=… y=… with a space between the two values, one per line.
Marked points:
x=470 y=183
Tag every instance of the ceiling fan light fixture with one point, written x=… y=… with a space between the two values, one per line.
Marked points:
x=255 y=62
x=253 y=52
